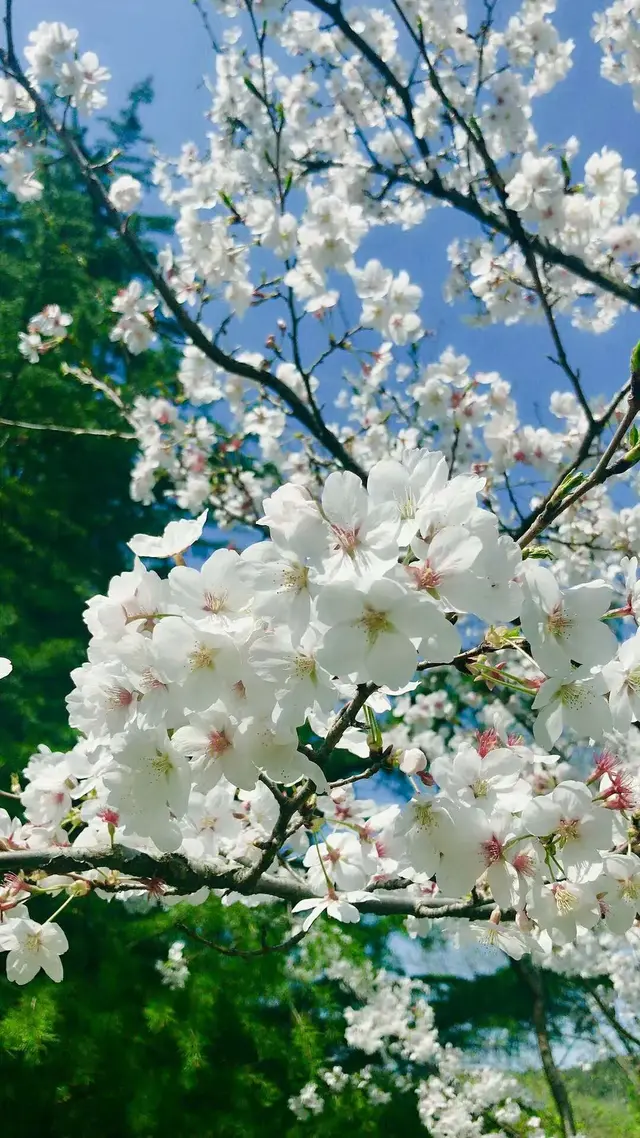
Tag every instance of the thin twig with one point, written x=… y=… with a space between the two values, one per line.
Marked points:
x=19 y=423
x=244 y=953
x=557 y=505
x=193 y=331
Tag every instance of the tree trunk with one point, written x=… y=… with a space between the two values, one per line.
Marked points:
x=532 y=978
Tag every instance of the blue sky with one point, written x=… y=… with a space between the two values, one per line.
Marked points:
x=164 y=39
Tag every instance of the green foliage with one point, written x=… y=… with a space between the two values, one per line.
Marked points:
x=113 y=1052
x=474 y=1012
x=604 y=1100
x=64 y=503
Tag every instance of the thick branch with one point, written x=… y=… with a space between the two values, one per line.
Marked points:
x=184 y=876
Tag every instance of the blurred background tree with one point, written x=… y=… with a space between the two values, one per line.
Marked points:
x=65 y=509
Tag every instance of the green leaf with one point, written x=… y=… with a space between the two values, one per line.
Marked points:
x=635 y=359
x=252 y=87
x=571 y=483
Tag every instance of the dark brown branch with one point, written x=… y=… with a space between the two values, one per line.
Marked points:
x=262 y=377
x=558 y=503
x=595 y=429
x=244 y=953
x=466 y=203
x=124 y=868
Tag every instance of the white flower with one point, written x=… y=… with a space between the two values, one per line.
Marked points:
x=177 y=537
x=575 y=699
x=281 y=584
x=412 y=761
x=274 y=749
x=150 y=787
x=342 y=859
x=361 y=535
x=443 y=570
x=32 y=947
x=488 y=781
x=14 y=100
x=205 y=664
x=565 y=626
x=492 y=935
x=340 y=906
x=564 y=907
x=580 y=827
x=5 y=667
x=407 y=485
x=537 y=187
x=622 y=676
x=426 y=827
x=623 y=898
x=125 y=193
x=299 y=681
x=371 y=630
x=212 y=742
x=214 y=597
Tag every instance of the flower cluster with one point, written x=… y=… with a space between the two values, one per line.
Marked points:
x=45 y=331
x=200 y=686
x=392 y=1026
x=53 y=58
x=221 y=703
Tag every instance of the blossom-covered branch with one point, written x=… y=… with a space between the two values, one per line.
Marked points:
x=445 y=601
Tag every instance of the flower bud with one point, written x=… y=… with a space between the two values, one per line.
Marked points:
x=412 y=761
x=523 y=922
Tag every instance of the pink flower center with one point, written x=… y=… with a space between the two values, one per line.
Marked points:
x=348 y=540
x=218 y=743
x=487 y=741
x=492 y=850
x=523 y=863
x=119 y=697
x=424 y=576
x=111 y=817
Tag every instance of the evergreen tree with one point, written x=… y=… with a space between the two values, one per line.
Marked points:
x=65 y=509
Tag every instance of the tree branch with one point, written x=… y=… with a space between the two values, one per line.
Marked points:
x=465 y=203
x=18 y=423
x=246 y=954
x=123 y=867
x=263 y=378
x=554 y=505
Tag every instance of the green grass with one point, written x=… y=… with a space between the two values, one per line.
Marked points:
x=603 y=1099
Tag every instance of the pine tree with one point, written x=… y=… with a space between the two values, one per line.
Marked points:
x=65 y=509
